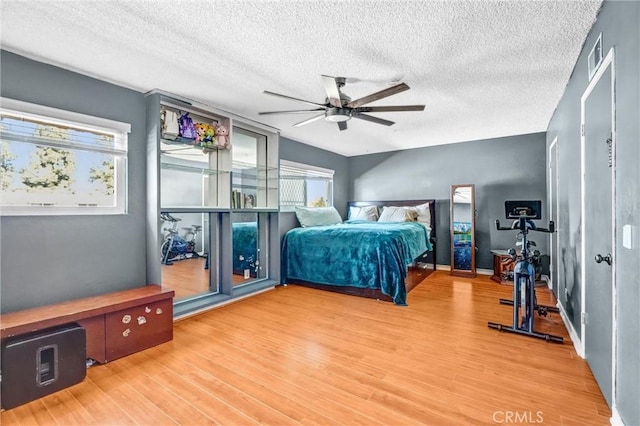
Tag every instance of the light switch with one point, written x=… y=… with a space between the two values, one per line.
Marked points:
x=627 y=236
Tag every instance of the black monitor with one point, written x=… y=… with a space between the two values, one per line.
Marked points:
x=526 y=209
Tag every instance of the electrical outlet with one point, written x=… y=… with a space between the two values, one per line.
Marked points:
x=247 y=274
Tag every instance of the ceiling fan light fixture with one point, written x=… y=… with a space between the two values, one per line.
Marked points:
x=337 y=115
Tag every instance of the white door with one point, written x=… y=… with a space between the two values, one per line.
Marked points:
x=597 y=150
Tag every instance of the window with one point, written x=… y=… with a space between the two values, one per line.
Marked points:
x=304 y=185
x=56 y=162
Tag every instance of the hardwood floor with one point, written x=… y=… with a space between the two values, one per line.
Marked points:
x=296 y=355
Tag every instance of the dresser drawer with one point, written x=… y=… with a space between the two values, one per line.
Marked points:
x=138 y=328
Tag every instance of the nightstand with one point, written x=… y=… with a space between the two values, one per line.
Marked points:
x=502 y=263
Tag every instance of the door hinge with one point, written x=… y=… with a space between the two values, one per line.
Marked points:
x=585 y=318
x=582 y=130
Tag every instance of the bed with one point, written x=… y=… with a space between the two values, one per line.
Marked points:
x=245 y=248
x=382 y=260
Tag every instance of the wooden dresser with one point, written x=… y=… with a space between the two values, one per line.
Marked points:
x=117 y=324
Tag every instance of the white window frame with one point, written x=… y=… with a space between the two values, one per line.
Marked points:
x=305 y=170
x=119 y=150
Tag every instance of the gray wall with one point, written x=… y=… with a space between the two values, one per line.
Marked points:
x=510 y=168
x=48 y=259
x=619 y=24
x=299 y=152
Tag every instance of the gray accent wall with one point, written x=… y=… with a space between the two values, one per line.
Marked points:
x=299 y=152
x=49 y=259
x=509 y=168
x=619 y=23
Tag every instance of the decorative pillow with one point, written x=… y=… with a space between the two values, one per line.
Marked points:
x=317 y=216
x=397 y=214
x=363 y=213
x=424 y=214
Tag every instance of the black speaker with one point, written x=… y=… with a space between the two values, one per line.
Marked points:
x=37 y=364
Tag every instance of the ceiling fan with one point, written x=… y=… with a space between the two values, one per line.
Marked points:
x=339 y=108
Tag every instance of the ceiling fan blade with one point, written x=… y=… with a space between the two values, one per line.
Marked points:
x=342 y=125
x=292 y=98
x=379 y=95
x=391 y=108
x=310 y=120
x=295 y=111
x=333 y=93
x=373 y=119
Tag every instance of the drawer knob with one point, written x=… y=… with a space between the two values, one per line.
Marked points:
x=158 y=311
x=126 y=332
x=142 y=320
x=126 y=319
x=147 y=309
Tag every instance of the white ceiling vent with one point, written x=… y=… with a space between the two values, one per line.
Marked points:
x=595 y=57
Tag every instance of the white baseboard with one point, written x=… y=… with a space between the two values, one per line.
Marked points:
x=615 y=419
x=478 y=271
x=577 y=343
x=546 y=279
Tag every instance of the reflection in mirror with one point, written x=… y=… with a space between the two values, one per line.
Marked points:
x=245 y=147
x=247 y=253
x=187 y=173
x=249 y=171
x=463 y=230
x=184 y=253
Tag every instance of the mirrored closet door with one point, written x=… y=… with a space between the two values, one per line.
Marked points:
x=463 y=244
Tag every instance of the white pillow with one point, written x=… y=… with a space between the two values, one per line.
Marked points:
x=363 y=213
x=397 y=214
x=424 y=214
x=317 y=216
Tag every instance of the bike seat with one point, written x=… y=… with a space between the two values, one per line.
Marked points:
x=197 y=227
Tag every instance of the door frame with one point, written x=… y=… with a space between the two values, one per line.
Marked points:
x=608 y=61
x=553 y=200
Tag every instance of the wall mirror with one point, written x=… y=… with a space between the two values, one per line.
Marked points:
x=248 y=248
x=184 y=253
x=463 y=244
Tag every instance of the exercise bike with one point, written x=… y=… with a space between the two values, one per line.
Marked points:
x=177 y=247
x=524 y=302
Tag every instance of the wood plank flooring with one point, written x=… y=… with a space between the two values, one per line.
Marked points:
x=296 y=355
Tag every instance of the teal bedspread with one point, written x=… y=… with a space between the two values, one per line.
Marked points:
x=245 y=247
x=355 y=253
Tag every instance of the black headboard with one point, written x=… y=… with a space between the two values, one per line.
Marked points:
x=400 y=203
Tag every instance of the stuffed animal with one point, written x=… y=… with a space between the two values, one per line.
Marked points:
x=210 y=134
x=222 y=137
x=187 y=128
x=201 y=131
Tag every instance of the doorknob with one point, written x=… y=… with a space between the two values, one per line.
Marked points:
x=607 y=258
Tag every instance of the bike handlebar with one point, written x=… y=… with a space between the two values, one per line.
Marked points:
x=169 y=218
x=514 y=226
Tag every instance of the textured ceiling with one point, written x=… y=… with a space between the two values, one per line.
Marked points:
x=483 y=68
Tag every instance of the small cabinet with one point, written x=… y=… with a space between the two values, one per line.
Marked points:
x=502 y=265
x=137 y=328
x=463 y=242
